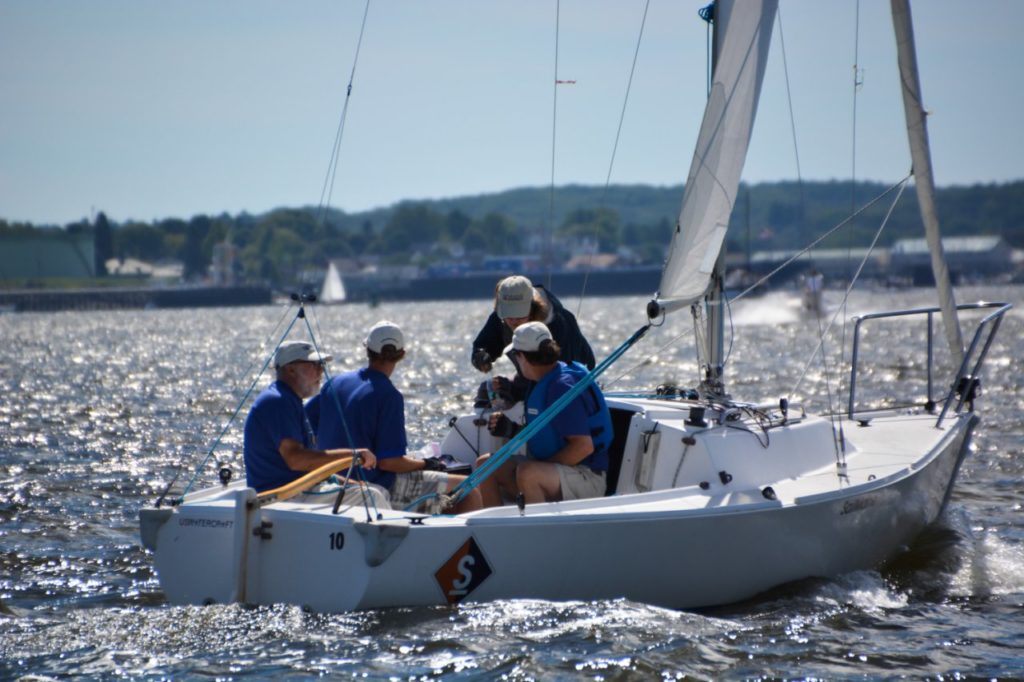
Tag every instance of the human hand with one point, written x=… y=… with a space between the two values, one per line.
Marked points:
x=433 y=464
x=482 y=360
x=503 y=389
x=365 y=458
x=501 y=426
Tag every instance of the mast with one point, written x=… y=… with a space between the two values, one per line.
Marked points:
x=920 y=153
x=713 y=369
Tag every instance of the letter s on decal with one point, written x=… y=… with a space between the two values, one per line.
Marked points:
x=465 y=569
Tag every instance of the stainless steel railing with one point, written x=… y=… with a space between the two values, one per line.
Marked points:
x=964 y=384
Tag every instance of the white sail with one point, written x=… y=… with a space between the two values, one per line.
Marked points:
x=333 y=290
x=917 y=132
x=742 y=40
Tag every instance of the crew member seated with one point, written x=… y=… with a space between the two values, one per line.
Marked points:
x=567 y=458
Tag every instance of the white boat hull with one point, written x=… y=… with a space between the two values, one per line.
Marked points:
x=681 y=547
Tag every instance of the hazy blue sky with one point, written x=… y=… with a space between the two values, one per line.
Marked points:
x=150 y=108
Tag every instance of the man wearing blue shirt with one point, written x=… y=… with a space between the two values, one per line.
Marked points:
x=279 y=443
x=568 y=457
x=363 y=409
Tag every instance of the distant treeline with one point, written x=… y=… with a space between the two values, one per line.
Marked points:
x=635 y=220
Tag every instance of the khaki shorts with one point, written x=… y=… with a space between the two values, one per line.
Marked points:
x=412 y=485
x=580 y=482
x=372 y=495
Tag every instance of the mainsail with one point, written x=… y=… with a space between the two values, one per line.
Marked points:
x=741 y=53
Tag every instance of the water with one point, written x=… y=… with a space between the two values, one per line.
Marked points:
x=100 y=410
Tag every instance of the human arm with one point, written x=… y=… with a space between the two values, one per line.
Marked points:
x=490 y=342
x=575 y=348
x=404 y=464
x=300 y=458
x=577 y=449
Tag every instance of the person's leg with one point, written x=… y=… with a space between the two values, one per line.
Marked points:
x=410 y=486
x=502 y=481
x=539 y=482
x=471 y=502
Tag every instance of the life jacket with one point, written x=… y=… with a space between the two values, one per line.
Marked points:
x=546 y=442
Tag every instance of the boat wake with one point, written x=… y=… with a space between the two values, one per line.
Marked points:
x=990 y=566
x=777 y=307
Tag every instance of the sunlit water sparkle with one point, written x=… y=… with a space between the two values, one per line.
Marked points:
x=99 y=409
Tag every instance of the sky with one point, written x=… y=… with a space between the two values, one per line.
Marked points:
x=148 y=109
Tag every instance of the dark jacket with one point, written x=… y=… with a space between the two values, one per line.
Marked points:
x=496 y=335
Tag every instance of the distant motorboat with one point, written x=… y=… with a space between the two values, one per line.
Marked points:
x=814 y=285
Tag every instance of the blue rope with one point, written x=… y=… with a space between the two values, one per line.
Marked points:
x=506 y=451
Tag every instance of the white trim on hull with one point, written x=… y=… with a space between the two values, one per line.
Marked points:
x=683 y=548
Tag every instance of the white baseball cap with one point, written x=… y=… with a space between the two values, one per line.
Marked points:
x=295 y=351
x=528 y=337
x=515 y=295
x=382 y=334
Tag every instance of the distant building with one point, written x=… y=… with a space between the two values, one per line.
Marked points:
x=132 y=267
x=225 y=267
x=980 y=257
x=835 y=264
x=594 y=261
x=512 y=264
x=47 y=253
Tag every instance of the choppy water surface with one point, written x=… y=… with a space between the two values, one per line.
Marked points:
x=98 y=410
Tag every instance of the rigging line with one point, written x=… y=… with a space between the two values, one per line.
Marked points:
x=554 y=130
x=244 y=374
x=846 y=221
x=857 y=82
x=332 y=165
x=348 y=435
x=263 y=344
x=853 y=281
x=856 y=87
x=767 y=277
x=649 y=358
x=231 y=420
x=792 y=126
x=615 y=147
x=316 y=322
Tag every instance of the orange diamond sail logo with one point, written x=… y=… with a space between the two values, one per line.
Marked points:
x=463 y=572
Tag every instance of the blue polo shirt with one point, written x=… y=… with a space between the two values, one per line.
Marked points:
x=368 y=404
x=276 y=414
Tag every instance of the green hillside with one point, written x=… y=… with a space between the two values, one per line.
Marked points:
x=277 y=246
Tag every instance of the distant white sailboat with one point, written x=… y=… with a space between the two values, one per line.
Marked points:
x=710 y=500
x=333 y=289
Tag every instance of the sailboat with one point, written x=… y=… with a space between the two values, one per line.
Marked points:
x=711 y=500
x=333 y=289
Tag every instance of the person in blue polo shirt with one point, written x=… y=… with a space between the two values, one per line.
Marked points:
x=279 y=444
x=567 y=458
x=363 y=409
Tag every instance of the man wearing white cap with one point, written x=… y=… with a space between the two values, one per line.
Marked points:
x=363 y=409
x=280 y=445
x=568 y=457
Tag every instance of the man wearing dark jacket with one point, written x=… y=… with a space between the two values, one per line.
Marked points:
x=517 y=301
